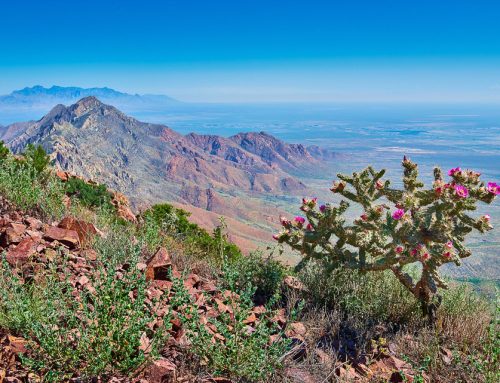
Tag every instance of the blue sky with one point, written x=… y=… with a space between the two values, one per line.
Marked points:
x=384 y=50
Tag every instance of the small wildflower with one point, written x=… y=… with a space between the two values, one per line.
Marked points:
x=461 y=191
x=399 y=249
x=453 y=171
x=449 y=244
x=300 y=220
x=398 y=214
x=486 y=217
x=493 y=188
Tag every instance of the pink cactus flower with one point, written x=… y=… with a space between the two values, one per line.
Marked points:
x=398 y=214
x=309 y=227
x=426 y=256
x=449 y=244
x=461 y=191
x=452 y=172
x=493 y=188
x=300 y=220
x=322 y=208
x=364 y=217
x=447 y=254
x=399 y=249
x=486 y=217
x=379 y=185
x=414 y=252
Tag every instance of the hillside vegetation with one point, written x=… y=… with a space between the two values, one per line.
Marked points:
x=91 y=292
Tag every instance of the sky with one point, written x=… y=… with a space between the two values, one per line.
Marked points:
x=247 y=51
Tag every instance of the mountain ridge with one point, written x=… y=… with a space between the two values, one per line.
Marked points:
x=152 y=163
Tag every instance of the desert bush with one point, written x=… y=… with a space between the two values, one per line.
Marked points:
x=36 y=158
x=174 y=222
x=238 y=353
x=4 y=151
x=30 y=190
x=370 y=297
x=427 y=227
x=263 y=272
x=96 y=333
x=90 y=195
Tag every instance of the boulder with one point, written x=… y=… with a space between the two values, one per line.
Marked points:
x=66 y=237
x=85 y=230
x=159 y=266
x=20 y=254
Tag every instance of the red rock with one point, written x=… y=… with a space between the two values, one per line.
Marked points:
x=62 y=175
x=86 y=231
x=89 y=255
x=12 y=234
x=33 y=223
x=67 y=237
x=159 y=266
x=22 y=252
x=251 y=319
x=17 y=345
x=160 y=370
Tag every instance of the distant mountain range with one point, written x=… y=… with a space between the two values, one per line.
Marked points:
x=39 y=97
x=240 y=177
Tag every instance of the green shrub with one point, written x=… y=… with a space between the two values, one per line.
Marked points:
x=36 y=157
x=243 y=355
x=90 y=195
x=29 y=190
x=95 y=334
x=175 y=222
x=4 y=151
x=265 y=273
x=427 y=226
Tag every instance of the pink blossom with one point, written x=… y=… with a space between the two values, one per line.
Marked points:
x=398 y=214
x=379 y=185
x=322 y=208
x=461 y=191
x=452 y=172
x=399 y=249
x=447 y=254
x=449 y=244
x=309 y=227
x=493 y=188
x=426 y=256
x=486 y=217
x=364 y=217
x=414 y=252
x=300 y=220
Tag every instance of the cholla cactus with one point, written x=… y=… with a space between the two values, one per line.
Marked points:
x=425 y=226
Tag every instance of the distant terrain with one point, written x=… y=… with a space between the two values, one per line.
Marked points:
x=238 y=177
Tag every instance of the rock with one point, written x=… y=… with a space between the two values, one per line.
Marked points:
x=62 y=175
x=160 y=370
x=159 y=266
x=86 y=231
x=20 y=254
x=67 y=237
x=33 y=223
x=12 y=234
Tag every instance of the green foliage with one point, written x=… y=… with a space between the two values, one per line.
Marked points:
x=428 y=227
x=29 y=190
x=242 y=355
x=4 y=151
x=90 y=195
x=36 y=157
x=95 y=333
x=175 y=222
x=373 y=297
x=266 y=273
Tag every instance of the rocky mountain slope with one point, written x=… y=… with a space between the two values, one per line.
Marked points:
x=152 y=163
